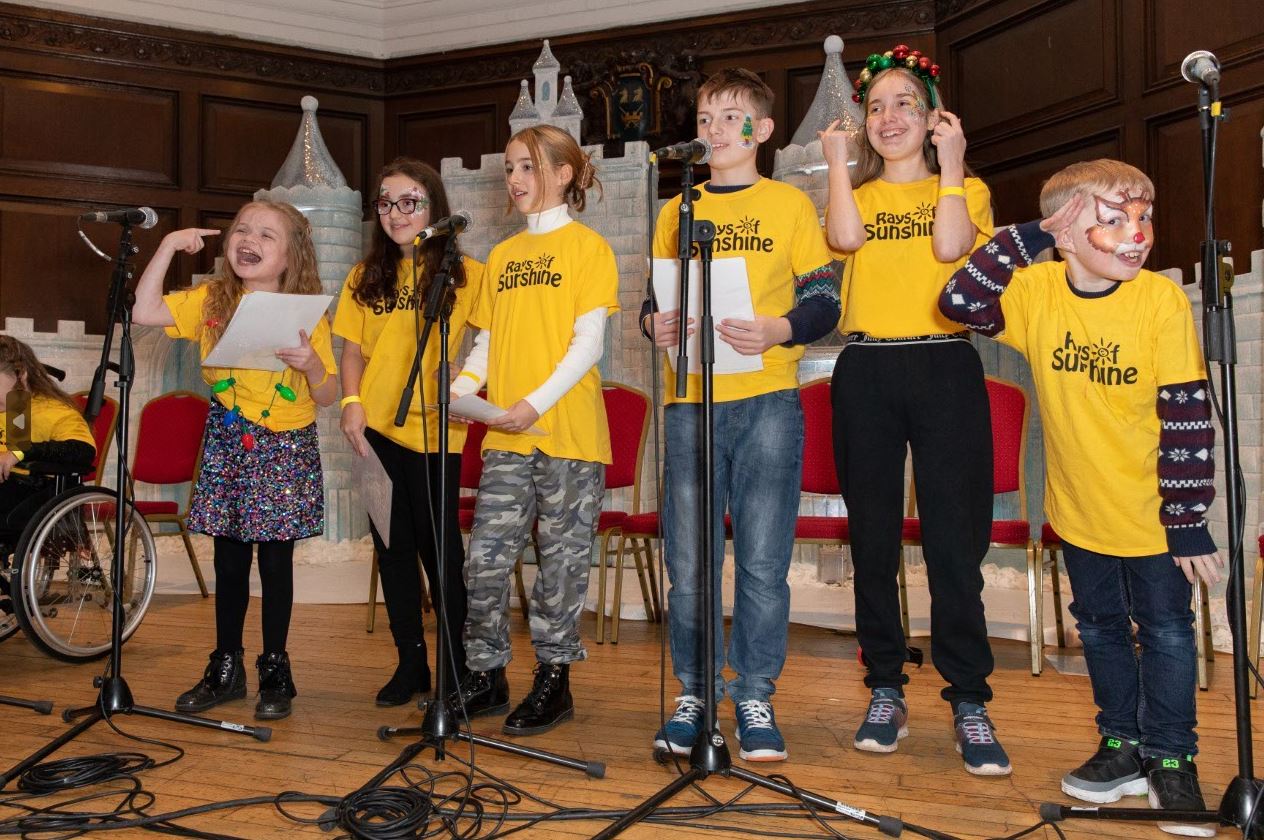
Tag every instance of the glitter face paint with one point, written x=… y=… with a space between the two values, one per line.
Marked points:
x=918 y=105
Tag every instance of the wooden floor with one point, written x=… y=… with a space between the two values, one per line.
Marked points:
x=329 y=745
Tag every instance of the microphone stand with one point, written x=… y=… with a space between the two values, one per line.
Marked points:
x=115 y=697
x=440 y=722
x=1239 y=806
x=710 y=753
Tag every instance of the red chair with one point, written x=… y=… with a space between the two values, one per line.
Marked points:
x=1050 y=542
x=1008 y=407
x=628 y=413
x=103 y=429
x=819 y=475
x=471 y=471
x=169 y=451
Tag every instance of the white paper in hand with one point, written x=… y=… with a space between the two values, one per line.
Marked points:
x=730 y=298
x=476 y=408
x=264 y=323
x=370 y=478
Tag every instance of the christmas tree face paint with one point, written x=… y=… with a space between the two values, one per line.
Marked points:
x=748 y=133
x=916 y=105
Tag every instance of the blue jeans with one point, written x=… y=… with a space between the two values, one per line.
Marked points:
x=758 y=462
x=1145 y=695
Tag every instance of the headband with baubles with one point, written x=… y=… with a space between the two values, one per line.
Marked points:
x=899 y=56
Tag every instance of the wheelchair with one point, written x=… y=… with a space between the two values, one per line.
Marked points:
x=56 y=567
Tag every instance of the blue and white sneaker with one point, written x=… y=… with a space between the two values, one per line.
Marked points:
x=757 y=731
x=976 y=741
x=681 y=731
x=886 y=722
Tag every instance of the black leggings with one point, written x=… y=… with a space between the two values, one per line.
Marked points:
x=414 y=514
x=232 y=591
x=928 y=397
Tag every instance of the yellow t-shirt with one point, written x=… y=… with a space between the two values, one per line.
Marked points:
x=50 y=419
x=387 y=334
x=536 y=286
x=254 y=389
x=891 y=285
x=1097 y=364
x=776 y=229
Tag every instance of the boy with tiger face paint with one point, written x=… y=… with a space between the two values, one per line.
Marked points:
x=1129 y=469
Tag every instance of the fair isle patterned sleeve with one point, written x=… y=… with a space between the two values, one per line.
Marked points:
x=1186 y=467
x=816 y=305
x=972 y=295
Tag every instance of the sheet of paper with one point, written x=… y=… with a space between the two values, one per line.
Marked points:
x=264 y=323
x=476 y=408
x=370 y=478
x=730 y=298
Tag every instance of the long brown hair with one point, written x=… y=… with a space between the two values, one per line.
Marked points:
x=550 y=146
x=300 y=276
x=378 y=281
x=18 y=359
x=869 y=164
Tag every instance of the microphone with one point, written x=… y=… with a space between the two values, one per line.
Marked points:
x=1201 y=67
x=692 y=151
x=143 y=217
x=455 y=223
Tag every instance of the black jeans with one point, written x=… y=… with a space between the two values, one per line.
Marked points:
x=414 y=531
x=929 y=397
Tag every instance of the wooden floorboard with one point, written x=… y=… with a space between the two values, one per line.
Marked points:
x=329 y=745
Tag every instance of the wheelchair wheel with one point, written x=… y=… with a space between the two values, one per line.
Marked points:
x=62 y=583
x=8 y=621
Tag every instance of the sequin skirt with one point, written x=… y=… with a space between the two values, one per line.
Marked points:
x=274 y=491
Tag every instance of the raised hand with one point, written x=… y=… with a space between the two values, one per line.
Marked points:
x=838 y=144
x=189 y=240
x=949 y=140
x=1064 y=215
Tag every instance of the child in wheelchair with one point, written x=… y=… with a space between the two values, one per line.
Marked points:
x=42 y=433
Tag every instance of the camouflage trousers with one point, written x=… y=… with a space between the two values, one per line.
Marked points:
x=562 y=498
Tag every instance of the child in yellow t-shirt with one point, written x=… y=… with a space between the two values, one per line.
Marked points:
x=543 y=310
x=909 y=379
x=1128 y=445
x=39 y=422
x=758 y=421
x=378 y=317
x=260 y=480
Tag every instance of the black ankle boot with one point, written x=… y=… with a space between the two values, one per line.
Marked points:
x=548 y=704
x=276 y=686
x=484 y=693
x=223 y=680
x=411 y=676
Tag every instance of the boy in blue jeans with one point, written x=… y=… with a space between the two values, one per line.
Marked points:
x=758 y=421
x=1129 y=470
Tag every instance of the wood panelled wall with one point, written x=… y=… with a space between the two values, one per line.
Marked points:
x=97 y=113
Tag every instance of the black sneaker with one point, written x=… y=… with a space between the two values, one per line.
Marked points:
x=1174 y=787
x=1114 y=771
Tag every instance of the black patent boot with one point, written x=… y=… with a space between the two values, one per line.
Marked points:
x=483 y=693
x=548 y=704
x=276 y=686
x=223 y=680
x=411 y=676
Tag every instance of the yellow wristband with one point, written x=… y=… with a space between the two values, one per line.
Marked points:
x=321 y=382
x=943 y=191
x=346 y=401
x=471 y=376
x=18 y=453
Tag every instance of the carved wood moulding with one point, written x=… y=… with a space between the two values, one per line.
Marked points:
x=781 y=26
x=101 y=39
